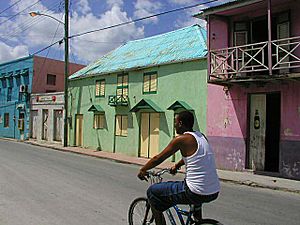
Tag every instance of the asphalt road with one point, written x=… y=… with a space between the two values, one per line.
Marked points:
x=40 y=186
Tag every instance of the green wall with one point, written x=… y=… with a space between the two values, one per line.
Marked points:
x=185 y=81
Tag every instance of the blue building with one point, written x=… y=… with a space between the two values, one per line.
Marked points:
x=15 y=88
x=18 y=80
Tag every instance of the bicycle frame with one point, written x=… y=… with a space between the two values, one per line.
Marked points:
x=156 y=178
x=180 y=213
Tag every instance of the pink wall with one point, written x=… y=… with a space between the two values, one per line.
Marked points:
x=44 y=66
x=227 y=114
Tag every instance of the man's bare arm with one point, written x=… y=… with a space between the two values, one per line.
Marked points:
x=173 y=147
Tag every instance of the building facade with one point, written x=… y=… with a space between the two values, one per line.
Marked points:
x=253 y=112
x=46 y=117
x=18 y=80
x=126 y=101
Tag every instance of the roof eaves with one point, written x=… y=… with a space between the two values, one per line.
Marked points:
x=225 y=6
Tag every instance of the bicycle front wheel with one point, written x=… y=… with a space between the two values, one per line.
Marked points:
x=140 y=213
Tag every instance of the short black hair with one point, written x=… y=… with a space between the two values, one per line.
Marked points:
x=187 y=118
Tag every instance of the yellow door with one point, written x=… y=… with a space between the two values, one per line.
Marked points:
x=154 y=134
x=144 y=134
x=149 y=134
x=79 y=136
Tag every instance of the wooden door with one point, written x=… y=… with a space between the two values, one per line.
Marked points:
x=257 y=132
x=144 y=134
x=34 y=125
x=79 y=131
x=154 y=134
x=149 y=134
x=58 y=125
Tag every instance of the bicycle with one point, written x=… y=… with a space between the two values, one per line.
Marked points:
x=139 y=212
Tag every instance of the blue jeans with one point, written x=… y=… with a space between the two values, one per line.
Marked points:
x=167 y=194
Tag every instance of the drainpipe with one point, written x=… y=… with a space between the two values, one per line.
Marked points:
x=208 y=48
x=269 y=37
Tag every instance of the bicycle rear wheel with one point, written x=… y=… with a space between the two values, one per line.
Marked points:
x=140 y=213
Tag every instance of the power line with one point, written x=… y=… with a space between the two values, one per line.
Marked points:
x=10 y=7
x=20 y=12
x=128 y=22
x=142 y=18
x=32 y=21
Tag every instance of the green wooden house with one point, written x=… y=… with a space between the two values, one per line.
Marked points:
x=126 y=101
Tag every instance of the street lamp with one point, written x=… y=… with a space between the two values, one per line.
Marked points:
x=66 y=40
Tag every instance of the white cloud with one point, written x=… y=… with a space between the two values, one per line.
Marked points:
x=8 y=53
x=83 y=6
x=92 y=46
x=188 y=19
x=184 y=2
x=38 y=32
x=145 y=8
x=115 y=2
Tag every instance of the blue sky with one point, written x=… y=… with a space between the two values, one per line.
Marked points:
x=23 y=35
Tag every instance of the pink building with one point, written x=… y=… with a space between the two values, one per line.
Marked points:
x=49 y=74
x=253 y=113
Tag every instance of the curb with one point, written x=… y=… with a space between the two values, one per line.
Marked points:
x=226 y=180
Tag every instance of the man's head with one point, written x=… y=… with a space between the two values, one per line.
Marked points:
x=184 y=121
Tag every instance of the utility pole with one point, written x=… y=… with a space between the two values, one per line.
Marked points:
x=66 y=39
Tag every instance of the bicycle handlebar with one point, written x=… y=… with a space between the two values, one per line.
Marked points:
x=158 y=173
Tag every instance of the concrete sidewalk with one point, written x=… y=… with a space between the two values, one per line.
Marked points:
x=244 y=178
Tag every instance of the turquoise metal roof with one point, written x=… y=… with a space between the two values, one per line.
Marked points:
x=185 y=44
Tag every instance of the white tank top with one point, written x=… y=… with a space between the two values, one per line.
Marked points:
x=201 y=173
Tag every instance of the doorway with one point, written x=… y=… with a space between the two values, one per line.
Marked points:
x=34 y=124
x=149 y=137
x=58 y=125
x=264 y=132
x=45 y=117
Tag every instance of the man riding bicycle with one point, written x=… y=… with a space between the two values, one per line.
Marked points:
x=201 y=183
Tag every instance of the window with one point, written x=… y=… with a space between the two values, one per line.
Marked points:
x=100 y=88
x=150 y=83
x=6 y=119
x=121 y=125
x=51 y=79
x=9 y=92
x=50 y=91
x=99 y=121
x=122 y=86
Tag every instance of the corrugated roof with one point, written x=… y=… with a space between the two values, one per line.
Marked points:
x=185 y=44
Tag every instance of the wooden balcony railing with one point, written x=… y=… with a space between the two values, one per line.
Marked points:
x=240 y=61
x=118 y=100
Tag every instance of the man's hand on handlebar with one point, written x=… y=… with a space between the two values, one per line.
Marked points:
x=142 y=175
x=174 y=170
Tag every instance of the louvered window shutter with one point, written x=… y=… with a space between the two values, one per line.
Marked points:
x=146 y=83
x=102 y=88
x=153 y=83
x=97 y=88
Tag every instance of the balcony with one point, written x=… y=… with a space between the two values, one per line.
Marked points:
x=253 y=60
x=118 y=100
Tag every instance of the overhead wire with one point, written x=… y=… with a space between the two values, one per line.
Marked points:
x=10 y=7
x=20 y=12
x=129 y=22
x=30 y=22
x=142 y=18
